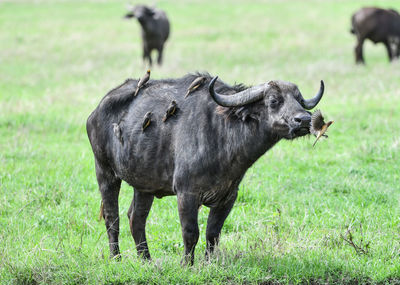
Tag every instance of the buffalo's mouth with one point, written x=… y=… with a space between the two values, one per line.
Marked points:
x=297 y=132
x=301 y=131
x=290 y=132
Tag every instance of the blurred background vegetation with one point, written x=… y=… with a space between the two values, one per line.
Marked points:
x=296 y=205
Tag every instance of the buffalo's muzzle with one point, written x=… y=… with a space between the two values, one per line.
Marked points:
x=300 y=124
x=301 y=120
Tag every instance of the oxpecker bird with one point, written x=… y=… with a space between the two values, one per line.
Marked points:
x=195 y=84
x=146 y=121
x=170 y=111
x=142 y=81
x=318 y=126
x=117 y=132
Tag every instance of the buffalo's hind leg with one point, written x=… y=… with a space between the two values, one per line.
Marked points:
x=137 y=214
x=109 y=186
x=216 y=219
x=188 y=207
x=390 y=51
x=359 y=50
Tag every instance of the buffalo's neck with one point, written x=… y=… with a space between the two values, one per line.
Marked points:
x=248 y=141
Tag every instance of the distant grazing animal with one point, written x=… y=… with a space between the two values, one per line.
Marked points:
x=200 y=155
x=378 y=25
x=155 y=29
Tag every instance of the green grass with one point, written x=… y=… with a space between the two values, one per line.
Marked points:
x=57 y=60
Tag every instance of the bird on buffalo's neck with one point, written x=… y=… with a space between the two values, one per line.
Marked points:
x=195 y=84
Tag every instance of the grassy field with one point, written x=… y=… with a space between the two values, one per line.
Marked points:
x=295 y=205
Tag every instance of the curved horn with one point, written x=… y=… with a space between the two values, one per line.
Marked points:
x=311 y=103
x=242 y=98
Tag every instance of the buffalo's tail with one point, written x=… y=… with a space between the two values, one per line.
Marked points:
x=352 y=30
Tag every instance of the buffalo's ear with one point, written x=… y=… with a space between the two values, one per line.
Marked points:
x=246 y=114
x=150 y=12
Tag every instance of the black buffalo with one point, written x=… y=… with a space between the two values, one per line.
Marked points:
x=200 y=153
x=155 y=29
x=378 y=25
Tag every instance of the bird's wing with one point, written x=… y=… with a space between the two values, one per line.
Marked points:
x=195 y=82
x=317 y=120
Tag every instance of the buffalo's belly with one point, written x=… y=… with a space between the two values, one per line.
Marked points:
x=223 y=192
x=146 y=169
x=149 y=178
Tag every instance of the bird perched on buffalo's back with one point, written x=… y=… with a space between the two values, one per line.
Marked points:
x=142 y=81
x=195 y=84
x=117 y=132
x=318 y=126
x=146 y=121
x=170 y=111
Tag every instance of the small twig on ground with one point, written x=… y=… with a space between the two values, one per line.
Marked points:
x=362 y=248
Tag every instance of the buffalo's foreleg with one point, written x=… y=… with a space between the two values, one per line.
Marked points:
x=109 y=186
x=160 y=55
x=389 y=50
x=137 y=214
x=147 y=54
x=216 y=219
x=188 y=207
x=359 y=50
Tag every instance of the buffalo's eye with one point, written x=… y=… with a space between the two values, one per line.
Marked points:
x=273 y=103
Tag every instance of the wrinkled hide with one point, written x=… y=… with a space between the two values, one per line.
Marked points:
x=200 y=153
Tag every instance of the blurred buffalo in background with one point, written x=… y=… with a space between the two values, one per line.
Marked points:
x=378 y=25
x=155 y=29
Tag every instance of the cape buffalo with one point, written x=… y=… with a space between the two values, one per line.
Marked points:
x=155 y=29
x=378 y=25
x=200 y=154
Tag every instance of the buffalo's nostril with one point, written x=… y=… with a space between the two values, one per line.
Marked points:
x=302 y=119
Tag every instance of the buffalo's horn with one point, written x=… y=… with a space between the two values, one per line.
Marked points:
x=242 y=98
x=311 y=103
